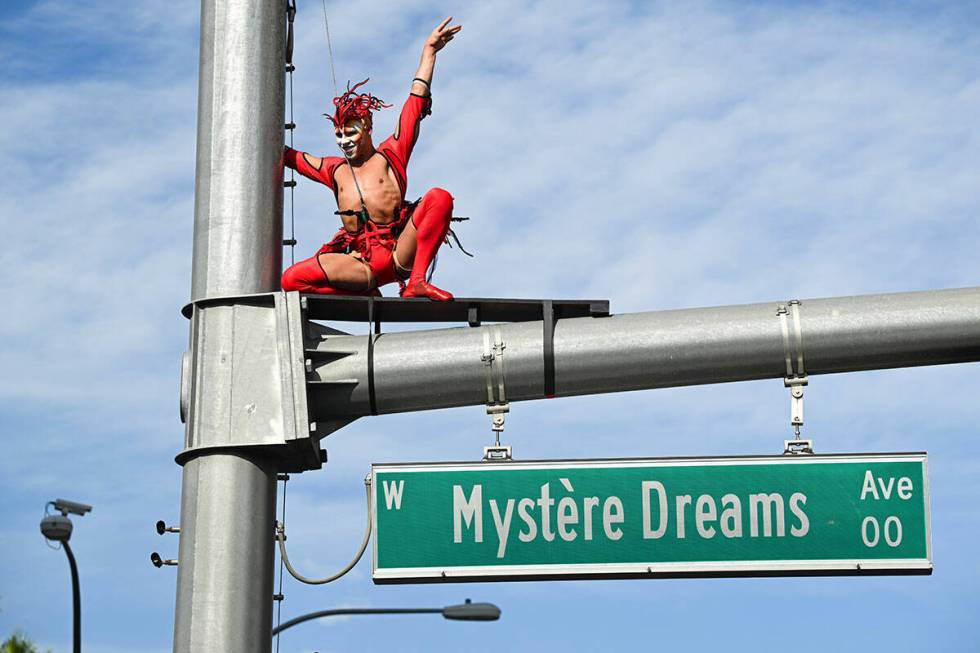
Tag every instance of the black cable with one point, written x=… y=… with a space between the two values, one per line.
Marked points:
x=290 y=15
x=373 y=328
x=292 y=178
x=279 y=594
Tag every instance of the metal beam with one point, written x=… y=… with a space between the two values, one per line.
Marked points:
x=440 y=368
x=224 y=582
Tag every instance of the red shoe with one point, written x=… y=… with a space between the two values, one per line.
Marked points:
x=426 y=289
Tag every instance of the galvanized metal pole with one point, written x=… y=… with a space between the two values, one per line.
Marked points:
x=225 y=575
x=423 y=370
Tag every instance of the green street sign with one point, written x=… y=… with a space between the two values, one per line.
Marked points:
x=732 y=516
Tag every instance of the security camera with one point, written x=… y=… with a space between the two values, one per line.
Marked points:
x=158 y=561
x=64 y=507
x=163 y=528
x=56 y=527
x=59 y=527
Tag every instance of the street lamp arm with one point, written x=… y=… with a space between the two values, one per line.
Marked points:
x=76 y=600
x=345 y=611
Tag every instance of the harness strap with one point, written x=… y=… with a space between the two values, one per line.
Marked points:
x=366 y=235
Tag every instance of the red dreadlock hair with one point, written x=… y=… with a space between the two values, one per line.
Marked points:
x=354 y=106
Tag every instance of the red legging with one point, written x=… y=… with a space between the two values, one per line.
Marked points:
x=431 y=218
x=307 y=276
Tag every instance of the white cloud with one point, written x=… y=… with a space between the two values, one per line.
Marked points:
x=665 y=156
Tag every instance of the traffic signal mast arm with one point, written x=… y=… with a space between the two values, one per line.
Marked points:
x=441 y=368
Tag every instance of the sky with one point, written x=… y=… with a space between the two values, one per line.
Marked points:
x=658 y=155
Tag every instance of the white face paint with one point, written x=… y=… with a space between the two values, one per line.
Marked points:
x=349 y=138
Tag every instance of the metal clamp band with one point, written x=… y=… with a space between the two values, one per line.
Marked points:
x=548 y=310
x=496 y=390
x=374 y=330
x=795 y=378
x=792 y=352
x=497 y=405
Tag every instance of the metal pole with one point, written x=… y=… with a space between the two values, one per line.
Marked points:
x=76 y=601
x=423 y=370
x=225 y=575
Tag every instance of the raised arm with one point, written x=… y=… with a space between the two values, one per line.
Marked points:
x=440 y=36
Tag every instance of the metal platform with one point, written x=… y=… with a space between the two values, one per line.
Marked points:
x=471 y=310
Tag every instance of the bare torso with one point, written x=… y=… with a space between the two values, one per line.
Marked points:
x=378 y=186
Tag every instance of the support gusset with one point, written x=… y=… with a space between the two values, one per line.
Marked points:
x=262 y=392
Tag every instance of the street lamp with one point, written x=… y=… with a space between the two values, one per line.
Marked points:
x=468 y=611
x=58 y=528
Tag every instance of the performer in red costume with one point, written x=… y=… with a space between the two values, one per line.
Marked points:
x=384 y=238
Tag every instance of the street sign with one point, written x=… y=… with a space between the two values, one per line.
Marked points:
x=732 y=516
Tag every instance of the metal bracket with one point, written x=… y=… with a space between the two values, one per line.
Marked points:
x=497 y=453
x=797 y=446
x=795 y=378
x=162 y=528
x=497 y=404
x=157 y=561
x=795 y=385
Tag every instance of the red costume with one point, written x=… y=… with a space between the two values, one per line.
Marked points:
x=373 y=242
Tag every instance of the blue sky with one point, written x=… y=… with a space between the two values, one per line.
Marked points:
x=660 y=155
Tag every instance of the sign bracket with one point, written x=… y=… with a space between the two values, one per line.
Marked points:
x=497 y=404
x=795 y=378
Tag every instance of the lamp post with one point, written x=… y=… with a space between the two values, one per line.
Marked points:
x=467 y=611
x=58 y=528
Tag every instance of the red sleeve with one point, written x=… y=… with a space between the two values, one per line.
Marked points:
x=398 y=147
x=324 y=174
x=402 y=142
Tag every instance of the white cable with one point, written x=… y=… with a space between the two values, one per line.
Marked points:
x=326 y=27
x=281 y=536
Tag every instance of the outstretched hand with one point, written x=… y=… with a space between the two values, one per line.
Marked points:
x=441 y=35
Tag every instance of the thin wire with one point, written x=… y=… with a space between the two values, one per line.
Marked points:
x=279 y=606
x=326 y=26
x=292 y=191
x=47 y=513
x=333 y=76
